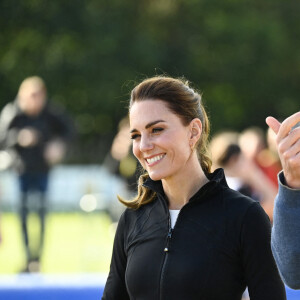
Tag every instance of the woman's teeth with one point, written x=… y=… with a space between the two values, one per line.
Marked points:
x=154 y=159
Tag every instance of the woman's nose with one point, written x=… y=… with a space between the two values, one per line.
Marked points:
x=145 y=144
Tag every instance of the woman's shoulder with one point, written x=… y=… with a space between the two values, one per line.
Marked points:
x=235 y=197
x=133 y=214
x=241 y=213
x=220 y=190
x=240 y=204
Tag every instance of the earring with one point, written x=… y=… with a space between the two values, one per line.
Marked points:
x=192 y=146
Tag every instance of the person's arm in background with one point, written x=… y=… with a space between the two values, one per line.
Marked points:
x=8 y=137
x=12 y=135
x=63 y=132
x=286 y=221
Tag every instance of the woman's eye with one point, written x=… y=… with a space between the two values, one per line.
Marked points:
x=156 y=130
x=133 y=137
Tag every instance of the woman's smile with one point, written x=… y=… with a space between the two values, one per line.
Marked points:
x=151 y=161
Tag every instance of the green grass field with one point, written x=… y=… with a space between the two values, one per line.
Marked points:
x=74 y=242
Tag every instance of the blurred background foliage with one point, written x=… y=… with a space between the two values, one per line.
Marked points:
x=242 y=55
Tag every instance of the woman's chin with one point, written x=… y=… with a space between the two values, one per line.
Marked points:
x=155 y=176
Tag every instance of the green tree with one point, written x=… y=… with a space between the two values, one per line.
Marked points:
x=243 y=56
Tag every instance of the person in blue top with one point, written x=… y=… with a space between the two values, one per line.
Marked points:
x=285 y=239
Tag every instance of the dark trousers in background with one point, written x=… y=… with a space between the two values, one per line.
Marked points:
x=33 y=186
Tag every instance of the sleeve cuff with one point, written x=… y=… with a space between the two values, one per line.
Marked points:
x=282 y=182
x=286 y=194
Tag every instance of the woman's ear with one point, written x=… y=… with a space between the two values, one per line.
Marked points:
x=195 y=131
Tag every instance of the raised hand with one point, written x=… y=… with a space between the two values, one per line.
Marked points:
x=288 y=146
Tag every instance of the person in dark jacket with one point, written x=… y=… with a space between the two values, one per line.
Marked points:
x=35 y=135
x=186 y=235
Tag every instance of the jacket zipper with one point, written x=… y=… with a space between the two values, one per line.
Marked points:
x=166 y=250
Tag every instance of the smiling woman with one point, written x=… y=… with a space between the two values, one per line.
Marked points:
x=176 y=113
x=185 y=222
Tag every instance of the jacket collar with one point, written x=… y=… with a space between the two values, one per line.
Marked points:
x=215 y=178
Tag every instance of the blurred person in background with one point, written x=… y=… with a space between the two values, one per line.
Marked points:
x=121 y=162
x=186 y=235
x=286 y=228
x=242 y=173
x=256 y=145
x=35 y=136
x=273 y=154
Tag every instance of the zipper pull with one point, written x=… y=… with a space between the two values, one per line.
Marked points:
x=168 y=240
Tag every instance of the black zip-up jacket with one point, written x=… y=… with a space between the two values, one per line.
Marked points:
x=219 y=245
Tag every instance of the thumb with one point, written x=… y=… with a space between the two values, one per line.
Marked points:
x=273 y=123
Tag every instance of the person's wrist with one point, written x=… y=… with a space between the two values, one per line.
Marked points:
x=291 y=182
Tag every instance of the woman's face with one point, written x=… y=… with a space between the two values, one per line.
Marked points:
x=161 y=142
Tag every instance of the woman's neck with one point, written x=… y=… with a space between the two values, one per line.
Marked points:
x=179 y=189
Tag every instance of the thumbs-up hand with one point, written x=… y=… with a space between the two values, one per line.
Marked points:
x=288 y=146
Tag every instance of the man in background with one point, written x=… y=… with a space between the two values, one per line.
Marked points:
x=35 y=135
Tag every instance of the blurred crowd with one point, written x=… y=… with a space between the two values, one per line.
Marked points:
x=251 y=163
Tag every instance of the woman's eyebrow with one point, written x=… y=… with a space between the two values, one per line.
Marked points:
x=153 y=123
x=148 y=125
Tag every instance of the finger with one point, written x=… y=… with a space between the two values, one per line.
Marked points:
x=273 y=124
x=287 y=125
x=292 y=150
x=291 y=142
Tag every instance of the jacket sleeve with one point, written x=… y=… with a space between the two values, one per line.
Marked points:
x=261 y=273
x=8 y=136
x=285 y=239
x=115 y=287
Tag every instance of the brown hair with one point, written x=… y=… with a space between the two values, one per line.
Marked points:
x=183 y=101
